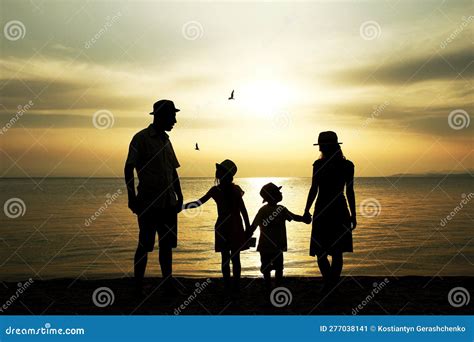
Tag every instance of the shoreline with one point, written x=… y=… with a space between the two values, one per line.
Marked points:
x=360 y=295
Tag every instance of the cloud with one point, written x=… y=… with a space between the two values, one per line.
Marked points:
x=448 y=66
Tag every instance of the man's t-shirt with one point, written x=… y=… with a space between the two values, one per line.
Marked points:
x=152 y=154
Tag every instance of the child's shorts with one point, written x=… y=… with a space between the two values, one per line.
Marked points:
x=271 y=261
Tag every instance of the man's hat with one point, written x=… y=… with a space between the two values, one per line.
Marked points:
x=327 y=138
x=270 y=192
x=228 y=166
x=164 y=106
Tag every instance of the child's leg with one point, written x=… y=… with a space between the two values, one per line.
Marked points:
x=225 y=265
x=266 y=269
x=278 y=262
x=336 y=266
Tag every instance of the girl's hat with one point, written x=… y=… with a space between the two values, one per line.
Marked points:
x=327 y=138
x=228 y=166
x=270 y=192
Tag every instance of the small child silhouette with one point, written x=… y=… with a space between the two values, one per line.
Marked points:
x=271 y=218
x=229 y=230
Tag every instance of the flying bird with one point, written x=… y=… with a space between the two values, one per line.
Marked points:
x=197 y=147
x=231 y=95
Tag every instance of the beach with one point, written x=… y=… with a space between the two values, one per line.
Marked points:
x=408 y=295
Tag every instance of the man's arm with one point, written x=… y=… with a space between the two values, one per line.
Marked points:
x=177 y=190
x=130 y=183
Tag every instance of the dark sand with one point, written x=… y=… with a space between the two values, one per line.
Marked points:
x=400 y=296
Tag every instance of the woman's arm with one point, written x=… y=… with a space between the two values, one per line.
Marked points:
x=351 y=198
x=198 y=203
x=313 y=191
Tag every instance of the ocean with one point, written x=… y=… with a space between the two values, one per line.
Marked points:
x=78 y=227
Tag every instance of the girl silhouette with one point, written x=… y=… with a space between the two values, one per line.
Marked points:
x=229 y=230
x=332 y=223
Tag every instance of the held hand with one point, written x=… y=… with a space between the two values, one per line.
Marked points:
x=307 y=217
x=354 y=222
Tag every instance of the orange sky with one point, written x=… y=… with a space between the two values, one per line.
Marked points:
x=393 y=79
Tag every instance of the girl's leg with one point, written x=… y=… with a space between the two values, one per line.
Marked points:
x=324 y=266
x=336 y=266
x=225 y=265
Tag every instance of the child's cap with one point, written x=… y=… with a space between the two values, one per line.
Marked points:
x=270 y=192
x=228 y=166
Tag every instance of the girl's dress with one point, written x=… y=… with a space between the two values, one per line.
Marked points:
x=331 y=233
x=229 y=228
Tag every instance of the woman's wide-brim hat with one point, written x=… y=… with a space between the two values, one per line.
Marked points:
x=228 y=166
x=327 y=138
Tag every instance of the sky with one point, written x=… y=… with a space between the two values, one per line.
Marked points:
x=394 y=79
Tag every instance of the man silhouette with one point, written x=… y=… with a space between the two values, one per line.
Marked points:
x=159 y=198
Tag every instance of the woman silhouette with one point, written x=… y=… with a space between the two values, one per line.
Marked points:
x=332 y=223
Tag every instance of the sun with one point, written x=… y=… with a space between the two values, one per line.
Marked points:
x=264 y=98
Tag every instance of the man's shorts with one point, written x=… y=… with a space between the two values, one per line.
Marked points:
x=163 y=221
x=271 y=261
